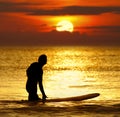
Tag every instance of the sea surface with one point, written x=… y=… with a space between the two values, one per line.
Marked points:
x=70 y=71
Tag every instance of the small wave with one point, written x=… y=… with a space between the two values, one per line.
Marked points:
x=87 y=109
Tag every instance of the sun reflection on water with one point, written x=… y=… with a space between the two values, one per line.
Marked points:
x=66 y=74
x=70 y=71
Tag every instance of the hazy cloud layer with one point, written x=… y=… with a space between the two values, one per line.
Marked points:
x=67 y=10
x=78 y=10
x=56 y=38
x=103 y=28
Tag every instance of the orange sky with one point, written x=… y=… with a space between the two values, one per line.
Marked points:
x=89 y=17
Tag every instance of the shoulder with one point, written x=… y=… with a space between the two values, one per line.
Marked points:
x=33 y=65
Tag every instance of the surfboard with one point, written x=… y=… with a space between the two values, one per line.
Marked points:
x=76 y=98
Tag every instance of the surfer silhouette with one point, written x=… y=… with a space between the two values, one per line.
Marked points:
x=34 y=77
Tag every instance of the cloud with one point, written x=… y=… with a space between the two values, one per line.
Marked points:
x=78 y=10
x=67 y=10
x=56 y=38
x=103 y=28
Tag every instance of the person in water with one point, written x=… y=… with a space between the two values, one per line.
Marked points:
x=34 y=75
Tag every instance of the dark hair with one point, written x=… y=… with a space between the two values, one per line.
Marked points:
x=42 y=59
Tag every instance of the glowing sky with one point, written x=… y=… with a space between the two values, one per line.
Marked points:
x=27 y=22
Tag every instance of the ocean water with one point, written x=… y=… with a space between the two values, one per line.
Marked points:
x=70 y=71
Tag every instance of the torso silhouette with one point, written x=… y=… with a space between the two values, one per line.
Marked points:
x=34 y=73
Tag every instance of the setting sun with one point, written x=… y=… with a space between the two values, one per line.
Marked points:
x=64 y=25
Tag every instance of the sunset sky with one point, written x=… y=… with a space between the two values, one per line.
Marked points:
x=34 y=22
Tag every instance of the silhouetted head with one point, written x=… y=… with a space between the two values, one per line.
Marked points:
x=42 y=59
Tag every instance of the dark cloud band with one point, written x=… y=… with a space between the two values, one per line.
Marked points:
x=78 y=10
x=67 y=10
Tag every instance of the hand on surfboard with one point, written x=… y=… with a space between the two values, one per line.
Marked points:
x=44 y=98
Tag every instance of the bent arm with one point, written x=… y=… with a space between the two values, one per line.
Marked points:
x=42 y=90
